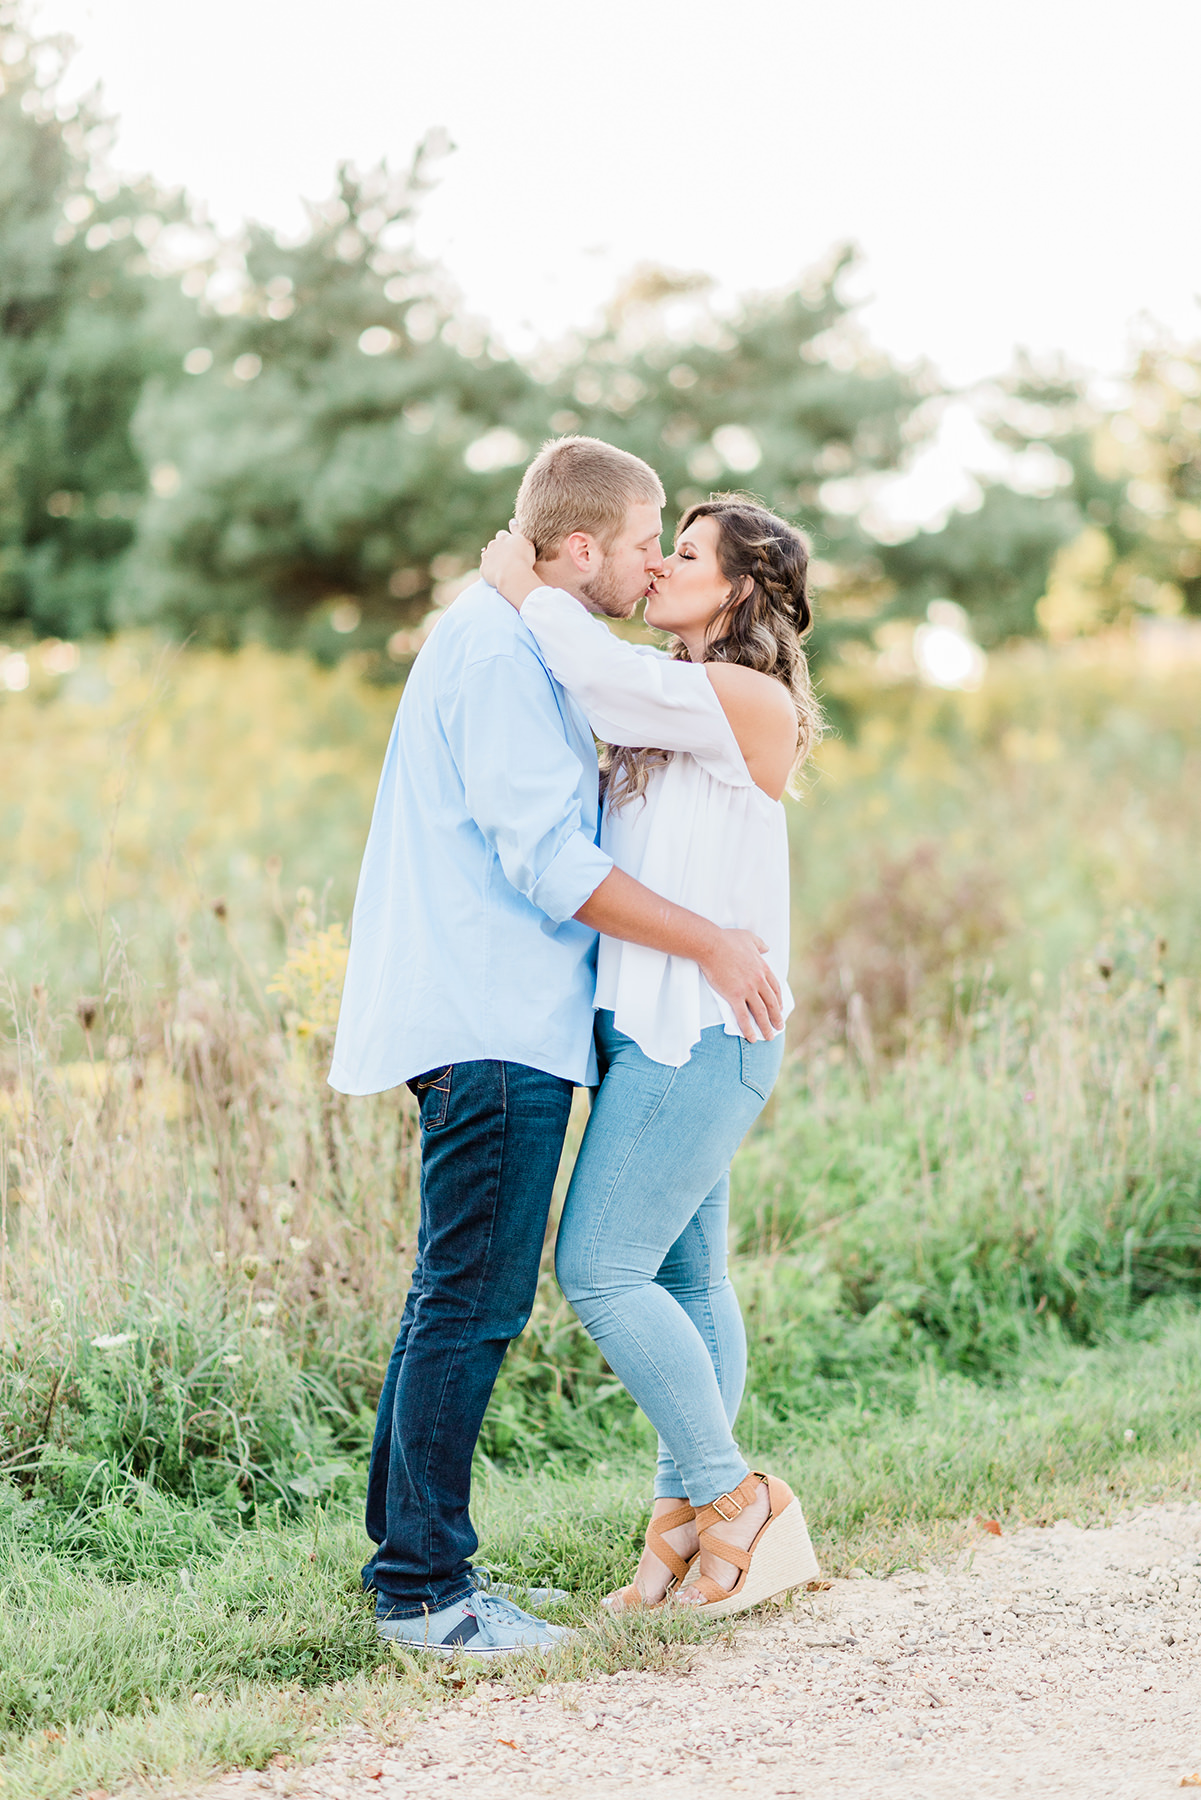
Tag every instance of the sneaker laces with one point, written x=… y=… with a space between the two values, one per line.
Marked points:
x=536 y=1593
x=490 y=1609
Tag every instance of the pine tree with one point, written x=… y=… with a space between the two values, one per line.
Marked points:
x=328 y=459
x=82 y=325
x=780 y=397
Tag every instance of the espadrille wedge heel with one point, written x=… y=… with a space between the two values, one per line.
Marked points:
x=779 y=1557
x=628 y=1598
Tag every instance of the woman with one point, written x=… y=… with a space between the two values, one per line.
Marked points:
x=698 y=818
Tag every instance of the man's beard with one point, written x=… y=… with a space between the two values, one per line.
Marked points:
x=605 y=595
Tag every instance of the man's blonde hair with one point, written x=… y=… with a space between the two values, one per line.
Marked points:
x=581 y=484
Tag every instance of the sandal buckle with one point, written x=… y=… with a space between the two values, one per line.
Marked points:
x=729 y=1517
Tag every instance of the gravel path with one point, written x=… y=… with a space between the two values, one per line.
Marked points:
x=1054 y=1662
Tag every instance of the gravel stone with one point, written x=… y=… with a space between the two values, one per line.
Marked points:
x=1059 y=1662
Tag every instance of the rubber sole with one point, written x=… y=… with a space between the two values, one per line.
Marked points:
x=783 y=1559
x=487 y=1653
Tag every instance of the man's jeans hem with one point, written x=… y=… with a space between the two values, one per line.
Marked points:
x=388 y=1609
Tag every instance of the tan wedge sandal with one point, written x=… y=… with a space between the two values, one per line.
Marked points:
x=780 y=1555
x=626 y=1599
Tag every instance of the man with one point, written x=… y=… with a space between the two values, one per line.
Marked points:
x=471 y=978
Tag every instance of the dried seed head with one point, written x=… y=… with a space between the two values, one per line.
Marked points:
x=86 y=1010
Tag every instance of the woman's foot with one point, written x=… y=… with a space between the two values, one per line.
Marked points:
x=754 y=1545
x=741 y=1532
x=654 y=1578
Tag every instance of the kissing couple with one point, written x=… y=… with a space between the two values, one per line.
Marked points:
x=514 y=939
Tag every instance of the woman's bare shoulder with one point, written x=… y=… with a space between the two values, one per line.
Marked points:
x=759 y=698
x=763 y=718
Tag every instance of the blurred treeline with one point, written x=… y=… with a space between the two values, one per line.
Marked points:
x=299 y=441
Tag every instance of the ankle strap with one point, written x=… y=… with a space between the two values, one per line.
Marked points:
x=728 y=1506
x=684 y=1514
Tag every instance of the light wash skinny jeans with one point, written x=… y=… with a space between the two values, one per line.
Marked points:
x=641 y=1254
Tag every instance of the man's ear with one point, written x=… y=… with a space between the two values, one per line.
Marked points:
x=582 y=551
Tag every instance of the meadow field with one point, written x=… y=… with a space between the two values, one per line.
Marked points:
x=968 y=1226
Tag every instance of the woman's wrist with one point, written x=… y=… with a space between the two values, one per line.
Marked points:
x=518 y=588
x=708 y=942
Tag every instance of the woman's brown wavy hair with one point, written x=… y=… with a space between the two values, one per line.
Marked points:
x=765 y=630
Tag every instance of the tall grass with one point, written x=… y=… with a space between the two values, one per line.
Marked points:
x=1036 y=1165
x=986 y=1128
x=205 y=1250
x=968 y=1227
x=148 y=786
x=1017 y=826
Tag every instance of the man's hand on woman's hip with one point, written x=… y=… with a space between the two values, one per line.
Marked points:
x=738 y=970
x=732 y=962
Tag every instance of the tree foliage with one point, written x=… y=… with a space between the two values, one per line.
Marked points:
x=781 y=397
x=82 y=328
x=318 y=437
x=352 y=437
x=1153 y=447
x=301 y=440
x=1130 y=495
x=318 y=458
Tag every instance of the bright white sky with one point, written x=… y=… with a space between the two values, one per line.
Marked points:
x=1017 y=174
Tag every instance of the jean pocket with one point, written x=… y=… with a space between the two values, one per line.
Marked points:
x=761 y=1063
x=433 y=1095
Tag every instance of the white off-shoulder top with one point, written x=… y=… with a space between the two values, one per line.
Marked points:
x=703 y=835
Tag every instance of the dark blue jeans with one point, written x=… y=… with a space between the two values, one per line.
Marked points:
x=491 y=1137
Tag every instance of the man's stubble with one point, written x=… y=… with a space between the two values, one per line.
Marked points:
x=605 y=595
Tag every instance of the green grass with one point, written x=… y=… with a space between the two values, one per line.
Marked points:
x=968 y=1226
x=254 y=1642
x=969 y=1271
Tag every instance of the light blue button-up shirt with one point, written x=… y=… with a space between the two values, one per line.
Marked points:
x=482 y=847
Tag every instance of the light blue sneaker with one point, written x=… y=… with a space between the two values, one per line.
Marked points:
x=482 y=1625
x=487 y=1583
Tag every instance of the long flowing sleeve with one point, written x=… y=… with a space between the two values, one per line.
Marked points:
x=629 y=694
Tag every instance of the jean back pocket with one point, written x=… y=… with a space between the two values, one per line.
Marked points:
x=761 y=1063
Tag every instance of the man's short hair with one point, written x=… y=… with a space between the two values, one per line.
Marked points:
x=581 y=484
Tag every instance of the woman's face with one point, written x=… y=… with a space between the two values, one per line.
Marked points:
x=692 y=590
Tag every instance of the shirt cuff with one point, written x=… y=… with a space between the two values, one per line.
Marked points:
x=573 y=874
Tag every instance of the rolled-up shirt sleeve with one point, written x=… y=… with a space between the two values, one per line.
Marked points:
x=521 y=782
